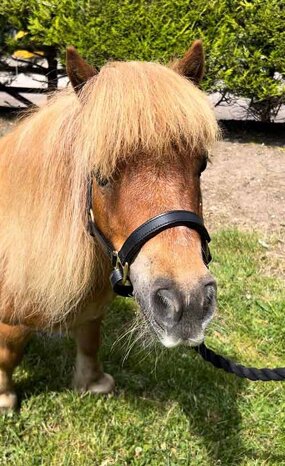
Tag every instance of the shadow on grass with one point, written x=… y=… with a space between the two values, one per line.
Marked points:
x=206 y=396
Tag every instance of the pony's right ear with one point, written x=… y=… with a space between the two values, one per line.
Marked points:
x=192 y=65
x=78 y=69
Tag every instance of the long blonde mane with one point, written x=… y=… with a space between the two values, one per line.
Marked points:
x=48 y=262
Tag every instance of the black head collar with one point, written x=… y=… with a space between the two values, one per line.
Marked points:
x=122 y=259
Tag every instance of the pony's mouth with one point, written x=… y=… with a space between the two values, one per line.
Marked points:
x=172 y=339
x=170 y=342
x=178 y=335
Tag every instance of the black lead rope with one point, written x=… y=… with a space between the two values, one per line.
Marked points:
x=251 y=373
x=122 y=259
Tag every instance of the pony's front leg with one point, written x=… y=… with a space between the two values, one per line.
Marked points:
x=13 y=339
x=89 y=375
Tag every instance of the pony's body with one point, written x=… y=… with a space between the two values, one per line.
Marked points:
x=133 y=123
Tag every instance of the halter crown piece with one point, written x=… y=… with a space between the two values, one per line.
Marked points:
x=122 y=259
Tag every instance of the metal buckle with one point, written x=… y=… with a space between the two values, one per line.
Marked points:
x=125 y=280
x=91 y=214
x=117 y=264
x=115 y=259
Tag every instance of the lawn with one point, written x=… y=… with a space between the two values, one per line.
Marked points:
x=170 y=407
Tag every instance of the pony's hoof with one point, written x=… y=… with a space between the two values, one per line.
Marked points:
x=8 y=401
x=103 y=385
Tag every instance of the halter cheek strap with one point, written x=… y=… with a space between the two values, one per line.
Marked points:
x=122 y=259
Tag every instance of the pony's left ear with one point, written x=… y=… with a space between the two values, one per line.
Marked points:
x=78 y=70
x=192 y=65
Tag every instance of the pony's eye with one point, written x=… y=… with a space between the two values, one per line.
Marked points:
x=204 y=163
x=102 y=182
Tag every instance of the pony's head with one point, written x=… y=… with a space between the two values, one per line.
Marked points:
x=148 y=129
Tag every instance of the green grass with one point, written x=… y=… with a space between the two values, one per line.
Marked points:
x=170 y=407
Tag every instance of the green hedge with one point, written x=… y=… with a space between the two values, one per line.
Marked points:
x=244 y=40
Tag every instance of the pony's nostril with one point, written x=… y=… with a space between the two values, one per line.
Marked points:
x=208 y=302
x=210 y=291
x=210 y=294
x=167 y=306
x=165 y=297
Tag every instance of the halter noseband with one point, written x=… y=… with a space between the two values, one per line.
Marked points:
x=122 y=259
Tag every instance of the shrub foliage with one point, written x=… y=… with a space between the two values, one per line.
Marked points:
x=244 y=39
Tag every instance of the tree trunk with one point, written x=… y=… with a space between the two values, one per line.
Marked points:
x=52 y=72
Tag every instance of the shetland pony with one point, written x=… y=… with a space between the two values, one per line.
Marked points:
x=145 y=130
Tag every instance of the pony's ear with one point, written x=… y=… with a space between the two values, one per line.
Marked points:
x=192 y=65
x=78 y=69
